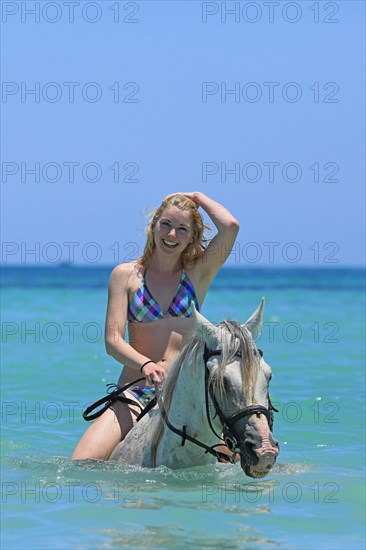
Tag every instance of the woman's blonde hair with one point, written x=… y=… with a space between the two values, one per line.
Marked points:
x=195 y=249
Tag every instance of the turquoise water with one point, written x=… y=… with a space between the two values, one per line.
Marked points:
x=54 y=363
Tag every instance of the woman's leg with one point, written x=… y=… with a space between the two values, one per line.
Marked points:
x=106 y=432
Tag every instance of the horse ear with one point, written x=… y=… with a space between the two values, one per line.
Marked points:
x=203 y=327
x=254 y=323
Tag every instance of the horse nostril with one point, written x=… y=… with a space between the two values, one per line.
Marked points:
x=249 y=447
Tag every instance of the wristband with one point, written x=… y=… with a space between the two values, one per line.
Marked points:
x=144 y=365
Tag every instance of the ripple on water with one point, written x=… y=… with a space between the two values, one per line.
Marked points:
x=174 y=536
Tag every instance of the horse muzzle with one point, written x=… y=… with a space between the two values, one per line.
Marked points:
x=258 y=454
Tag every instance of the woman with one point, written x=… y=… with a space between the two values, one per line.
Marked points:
x=140 y=293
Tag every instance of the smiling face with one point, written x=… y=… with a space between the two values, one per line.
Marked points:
x=179 y=223
x=173 y=231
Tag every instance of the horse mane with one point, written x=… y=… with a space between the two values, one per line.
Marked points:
x=191 y=347
x=235 y=338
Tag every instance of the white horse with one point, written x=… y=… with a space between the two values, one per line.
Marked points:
x=218 y=384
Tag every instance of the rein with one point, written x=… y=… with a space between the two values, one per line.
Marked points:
x=114 y=396
x=185 y=436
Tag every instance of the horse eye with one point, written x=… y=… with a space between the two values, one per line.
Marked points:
x=260 y=352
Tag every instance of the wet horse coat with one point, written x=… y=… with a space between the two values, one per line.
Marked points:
x=236 y=377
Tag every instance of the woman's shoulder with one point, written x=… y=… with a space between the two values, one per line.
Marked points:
x=123 y=273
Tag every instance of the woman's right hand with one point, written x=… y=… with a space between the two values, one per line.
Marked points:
x=154 y=374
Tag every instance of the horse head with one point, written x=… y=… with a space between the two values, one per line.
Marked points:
x=238 y=380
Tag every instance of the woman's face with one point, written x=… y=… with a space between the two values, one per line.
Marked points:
x=173 y=231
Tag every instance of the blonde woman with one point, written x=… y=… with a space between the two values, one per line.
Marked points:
x=153 y=296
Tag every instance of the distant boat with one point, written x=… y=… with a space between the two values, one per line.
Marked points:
x=64 y=264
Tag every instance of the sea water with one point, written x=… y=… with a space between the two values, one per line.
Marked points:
x=54 y=364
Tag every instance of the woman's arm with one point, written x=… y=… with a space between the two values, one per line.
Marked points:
x=220 y=246
x=115 y=327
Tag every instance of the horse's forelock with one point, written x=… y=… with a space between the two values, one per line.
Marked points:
x=236 y=339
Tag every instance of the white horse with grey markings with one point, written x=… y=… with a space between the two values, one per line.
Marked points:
x=217 y=385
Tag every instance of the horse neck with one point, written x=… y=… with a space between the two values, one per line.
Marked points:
x=188 y=405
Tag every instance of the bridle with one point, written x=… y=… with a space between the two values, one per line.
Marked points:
x=227 y=423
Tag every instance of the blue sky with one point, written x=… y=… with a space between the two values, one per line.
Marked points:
x=135 y=92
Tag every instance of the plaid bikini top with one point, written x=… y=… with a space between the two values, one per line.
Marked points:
x=144 y=308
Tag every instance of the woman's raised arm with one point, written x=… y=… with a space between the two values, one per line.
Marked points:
x=220 y=246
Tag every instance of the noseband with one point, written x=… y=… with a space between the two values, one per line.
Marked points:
x=227 y=423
